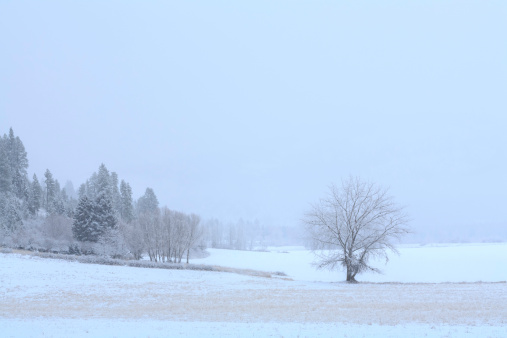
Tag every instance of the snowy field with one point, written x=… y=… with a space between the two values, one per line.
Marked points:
x=436 y=263
x=45 y=297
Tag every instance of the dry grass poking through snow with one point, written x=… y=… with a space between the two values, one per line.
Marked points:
x=147 y=264
x=438 y=304
x=35 y=287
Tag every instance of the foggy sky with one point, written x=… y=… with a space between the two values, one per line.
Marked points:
x=251 y=109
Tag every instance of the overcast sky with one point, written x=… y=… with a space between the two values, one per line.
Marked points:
x=252 y=108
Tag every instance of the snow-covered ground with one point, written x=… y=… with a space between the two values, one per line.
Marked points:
x=46 y=297
x=416 y=264
x=157 y=328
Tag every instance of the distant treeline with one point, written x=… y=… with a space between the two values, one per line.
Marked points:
x=103 y=218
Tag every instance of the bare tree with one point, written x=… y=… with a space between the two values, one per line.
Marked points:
x=180 y=226
x=149 y=223
x=134 y=239
x=57 y=227
x=193 y=234
x=356 y=222
x=168 y=236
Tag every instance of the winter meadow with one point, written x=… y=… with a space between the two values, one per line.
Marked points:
x=97 y=262
x=253 y=169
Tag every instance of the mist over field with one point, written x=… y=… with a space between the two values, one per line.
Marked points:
x=214 y=168
x=251 y=110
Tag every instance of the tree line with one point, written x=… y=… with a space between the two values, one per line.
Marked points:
x=102 y=218
x=249 y=235
x=356 y=222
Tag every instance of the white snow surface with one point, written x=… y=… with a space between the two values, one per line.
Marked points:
x=155 y=328
x=437 y=263
x=55 y=298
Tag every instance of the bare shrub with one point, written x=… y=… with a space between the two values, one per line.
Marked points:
x=57 y=227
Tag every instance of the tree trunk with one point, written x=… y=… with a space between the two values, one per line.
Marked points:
x=351 y=275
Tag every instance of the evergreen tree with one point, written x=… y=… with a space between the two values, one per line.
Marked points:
x=18 y=162
x=69 y=203
x=93 y=218
x=104 y=200
x=49 y=198
x=64 y=197
x=126 y=207
x=91 y=186
x=58 y=202
x=59 y=206
x=115 y=193
x=104 y=213
x=103 y=181
x=94 y=214
x=85 y=227
x=81 y=192
x=148 y=202
x=10 y=212
x=5 y=168
x=35 y=196
x=69 y=190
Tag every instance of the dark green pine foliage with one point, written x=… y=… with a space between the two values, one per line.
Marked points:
x=5 y=168
x=81 y=191
x=103 y=182
x=126 y=203
x=104 y=208
x=85 y=226
x=94 y=213
x=18 y=161
x=104 y=213
x=58 y=202
x=50 y=194
x=115 y=193
x=92 y=218
x=91 y=189
x=13 y=181
x=35 y=196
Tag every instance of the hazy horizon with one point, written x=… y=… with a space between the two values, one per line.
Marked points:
x=250 y=110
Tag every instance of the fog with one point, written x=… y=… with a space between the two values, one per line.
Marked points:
x=252 y=109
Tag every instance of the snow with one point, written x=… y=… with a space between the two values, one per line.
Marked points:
x=48 y=297
x=155 y=328
x=415 y=264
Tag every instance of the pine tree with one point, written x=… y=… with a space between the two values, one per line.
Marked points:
x=115 y=193
x=10 y=212
x=49 y=197
x=148 y=202
x=69 y=203
x=95 y=214
x=92 y=186
x=58 y=202
x=84 y=227
x=69 y=190
x=103 y=181
x=104 y=210
x=13 y=181
x=18 y=162
x=5 y=168
x=82 y=191
x=93 y=218
x=126 y=208
x=35 y=196
x=104 y=213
